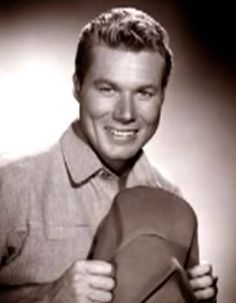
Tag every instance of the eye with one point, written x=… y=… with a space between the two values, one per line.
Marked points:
x=106 y=89
x=145 y=94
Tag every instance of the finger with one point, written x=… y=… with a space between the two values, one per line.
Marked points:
x=200 y=270
x=202 y=282
x=206 y=294
x=98 y=295
x=101 y=282
x=99 y=268
x=206 y=263
x=95 y=267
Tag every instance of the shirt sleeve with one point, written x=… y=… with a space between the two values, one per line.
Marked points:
x=163 y=180
x=14 y=206
x=13 y=214
x=15 y=200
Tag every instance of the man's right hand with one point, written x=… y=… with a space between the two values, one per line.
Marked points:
x=85 y=282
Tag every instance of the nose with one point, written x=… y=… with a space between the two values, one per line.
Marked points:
x=124 y=110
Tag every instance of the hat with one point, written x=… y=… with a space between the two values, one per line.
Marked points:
x=147 y=235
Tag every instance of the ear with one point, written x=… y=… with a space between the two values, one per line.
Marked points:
x=76 y=87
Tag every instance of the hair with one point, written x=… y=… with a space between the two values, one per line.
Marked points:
x=127 y=28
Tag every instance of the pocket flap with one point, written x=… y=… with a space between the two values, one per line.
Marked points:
x=81 y=232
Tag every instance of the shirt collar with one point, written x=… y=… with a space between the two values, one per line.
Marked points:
x=81 y=161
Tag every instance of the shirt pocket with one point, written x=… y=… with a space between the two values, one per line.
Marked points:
x=69 y=232
x=60 y=239
x=74 y=241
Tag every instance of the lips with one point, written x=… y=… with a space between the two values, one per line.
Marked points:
x=122 y=133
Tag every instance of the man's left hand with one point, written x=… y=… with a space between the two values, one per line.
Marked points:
x=203 y=282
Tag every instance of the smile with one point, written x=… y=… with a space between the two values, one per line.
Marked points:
x=122 y=133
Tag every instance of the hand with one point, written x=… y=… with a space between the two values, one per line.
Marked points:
x=84 y=282
x=203 y=282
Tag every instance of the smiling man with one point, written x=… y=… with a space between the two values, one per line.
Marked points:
x=53 y=203
x=120 y=103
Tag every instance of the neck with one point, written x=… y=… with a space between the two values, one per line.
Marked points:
x=117 y=167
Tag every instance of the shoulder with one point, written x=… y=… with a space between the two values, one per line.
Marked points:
x=16 y=167
x=163 y=179
x=18 y=177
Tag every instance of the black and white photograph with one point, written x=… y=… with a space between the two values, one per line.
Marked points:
x=117 y=151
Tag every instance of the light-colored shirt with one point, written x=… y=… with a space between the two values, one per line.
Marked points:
x=52 y=204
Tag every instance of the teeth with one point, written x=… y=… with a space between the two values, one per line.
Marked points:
x=122 y=133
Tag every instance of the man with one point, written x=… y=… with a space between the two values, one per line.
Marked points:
x=53 y=203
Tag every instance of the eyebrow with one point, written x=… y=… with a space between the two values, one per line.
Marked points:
x=107 y=81
x=148 y=86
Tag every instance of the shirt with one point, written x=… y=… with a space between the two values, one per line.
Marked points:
x=52 y=204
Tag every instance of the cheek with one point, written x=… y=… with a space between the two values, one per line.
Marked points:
x=96 y=107
x=150 y=115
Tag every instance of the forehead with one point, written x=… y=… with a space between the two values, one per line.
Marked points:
x=121 y=64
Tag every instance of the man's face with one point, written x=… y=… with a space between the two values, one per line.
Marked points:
x=120 y=102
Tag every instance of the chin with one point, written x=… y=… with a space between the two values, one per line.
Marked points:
x=122 y=151
x=124 y=155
